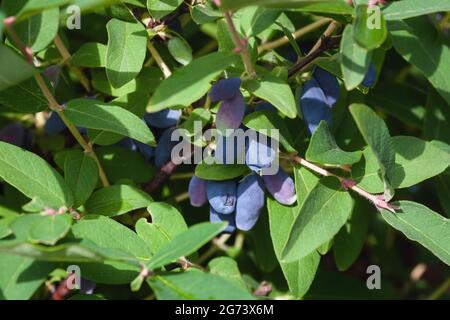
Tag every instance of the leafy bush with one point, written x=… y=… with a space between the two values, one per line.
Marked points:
x=92 y=183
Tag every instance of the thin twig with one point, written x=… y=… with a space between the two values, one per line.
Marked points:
x=241 y=45
x=55 y=106
x=326 y=44
x=376 y=199
x=159 y=61
x=296 y=34
x=67 y=57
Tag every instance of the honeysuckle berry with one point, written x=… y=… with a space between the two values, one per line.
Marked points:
x=281 y=187
x=225 y=89
x=163 y=119
x=250 y=201
x=197 y=191
x=222 y=195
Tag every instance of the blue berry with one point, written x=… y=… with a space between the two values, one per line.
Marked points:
x=250 y=201
x=231 y=113
x=314 y=105
x=371 y=77
x=222 y=195
x=281 y=187
x=265 y=106
x=216 y=217
x=164 y=148
x=329 y=85
x=197 y=191
x=163 y=119
x=225 y=89
x=54 y=124
x=259 y=153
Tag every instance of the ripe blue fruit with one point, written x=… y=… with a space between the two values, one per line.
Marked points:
x=281 y=187
x=371 y=77
x=197 y=191
x=148 y=152
x=14 y=133
x=225 y=89
x=250 y=201
x=222 y=195
x=52 y=74
x=314 y=105
x=164 y=148
x=216 y=217
x=259 y=152
x=163 y=119
x=54 y=124
x=231 y=113
x=329 y=85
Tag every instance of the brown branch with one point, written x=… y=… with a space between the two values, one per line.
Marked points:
x=326 y=44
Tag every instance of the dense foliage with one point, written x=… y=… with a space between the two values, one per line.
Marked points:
x=356 y=94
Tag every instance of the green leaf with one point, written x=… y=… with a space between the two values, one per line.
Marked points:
x=167 y=222
x=83 y=251
x=437 y=118
x=127 y=47
x=422 y=46
x=202 y=14
x=81 y=175
x=116 y=162
x=415 y=161
x=323 y=148
x=33 y=177
x=355 y=60
x=227 y=268
x=190 y=285
x=300 y=273
x=94 y=114
x=49 y=229
x=442 y=184
x=161 y=8
x=325 y=211
x=220 y=172
x=38 y=31
x=90 y=55
x=108 y=233
x=423 y=225
x=400 y=10
x=349 y=242
x=144 y=84
x=24 y=97
x=400 y=101
x=21 y=277
x=376 y=134
x=254 y=20
x=264 y=121
x=35 y=6
x=2 y=17
x=189 y=83
x=185 y=243
x=369 y=28
x=116 y=200
x=276 y=91
x=180 y=50
x=13 y=68
x=336 y=6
